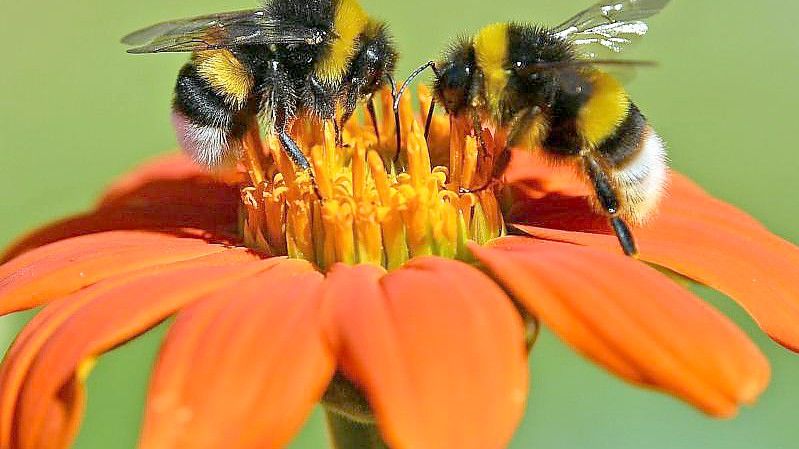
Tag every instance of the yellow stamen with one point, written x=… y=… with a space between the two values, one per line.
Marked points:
x=358 y=206
x=254 y=157
x=469 y=162
x=456 y=149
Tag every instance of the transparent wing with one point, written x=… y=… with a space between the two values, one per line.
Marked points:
x=623 y=70
x=609 y=26
x=223 y=30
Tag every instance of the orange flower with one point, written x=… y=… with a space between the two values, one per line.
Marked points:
x=395 y=280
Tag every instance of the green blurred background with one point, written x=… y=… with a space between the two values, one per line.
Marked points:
x=76 y=111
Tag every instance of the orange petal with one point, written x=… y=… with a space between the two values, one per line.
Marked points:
x=171 y=181
x=697 y=236
x=41 y=378
x=437 y=347
x=217 y=224
x=633 y=320
x=243 y=368
x=58 y=269
x=170 y=193
x=165 y=168
x=536 y=172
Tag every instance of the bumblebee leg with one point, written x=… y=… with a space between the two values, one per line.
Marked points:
x=398 y=133
x=397 y=125
x=500 y=165
x=609 y=201
x=477 y=124
x=283 y=99
x=370 y=107
x=397 y=95
x=502 y=160
x=348 y=111
x=296 y=155
x=337 y=130
x=428 y=65
x=429 y=120
x=522 y=126
x=293 y=151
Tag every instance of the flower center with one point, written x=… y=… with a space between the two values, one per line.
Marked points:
x=364 y=204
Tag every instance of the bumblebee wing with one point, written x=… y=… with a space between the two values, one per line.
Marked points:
x=609 y=26
x=223 y=30
x=623 y=70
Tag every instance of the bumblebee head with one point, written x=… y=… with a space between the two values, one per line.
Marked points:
x=500 y=71
x=455 y=85
x=373 y=62
x=491 y=72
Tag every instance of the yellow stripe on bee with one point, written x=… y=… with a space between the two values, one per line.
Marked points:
x=350 y=21
x=491 y=53
x=537 y=130
x=605 y=111
x=226 y=75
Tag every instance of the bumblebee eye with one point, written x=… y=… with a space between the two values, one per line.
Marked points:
x=518 y=64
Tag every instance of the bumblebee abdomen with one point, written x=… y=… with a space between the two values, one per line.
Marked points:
x=604 y=110
x=637 y=163
x=625 y=140
x=208 y=114
x=226 y=74
x=612 y=127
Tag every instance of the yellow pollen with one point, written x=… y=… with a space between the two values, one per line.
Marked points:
x=362 y=207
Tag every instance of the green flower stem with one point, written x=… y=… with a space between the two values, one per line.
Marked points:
x=346 y=433
x=349 y=418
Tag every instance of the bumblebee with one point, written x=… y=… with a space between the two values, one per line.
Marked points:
x=544 y=88
x=287 y=60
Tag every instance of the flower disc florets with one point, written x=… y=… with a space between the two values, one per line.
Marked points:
x=365 y=203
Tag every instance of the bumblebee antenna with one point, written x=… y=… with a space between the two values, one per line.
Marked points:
x=397 y=97
x=397 y=124
x=428 y=65
x=429 y=121
x=370 y=107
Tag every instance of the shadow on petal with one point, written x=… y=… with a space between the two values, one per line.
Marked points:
x=168 y=170
x=167 y=195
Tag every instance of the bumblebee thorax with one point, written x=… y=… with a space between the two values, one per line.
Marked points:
x=349 y=22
